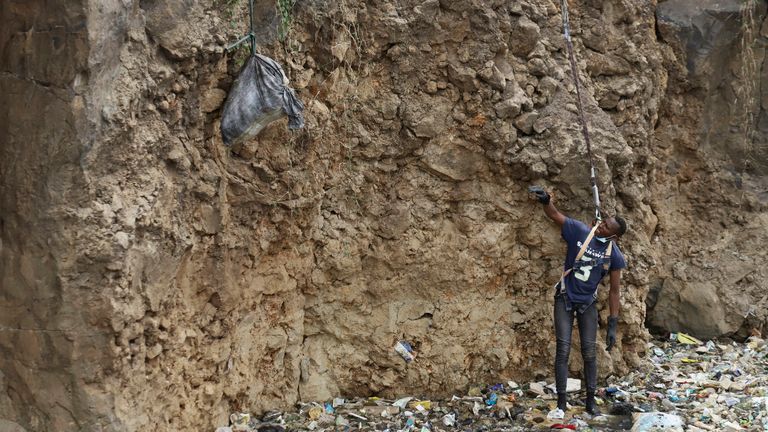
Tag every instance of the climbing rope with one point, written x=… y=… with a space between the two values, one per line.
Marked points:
x=584 y=129
x=251 y=34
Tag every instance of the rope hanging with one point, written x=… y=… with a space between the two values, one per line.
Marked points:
x=251 y=34
x=584 y=130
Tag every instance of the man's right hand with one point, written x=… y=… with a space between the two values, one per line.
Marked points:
x=540 y=194
x=610 y=338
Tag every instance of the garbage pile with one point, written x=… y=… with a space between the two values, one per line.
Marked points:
x=686 y=385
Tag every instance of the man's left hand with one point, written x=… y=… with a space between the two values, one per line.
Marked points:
x=610 y=339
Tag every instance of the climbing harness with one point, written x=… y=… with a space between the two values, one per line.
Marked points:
x=584 y=130
x=605 y=262
x=251 y=34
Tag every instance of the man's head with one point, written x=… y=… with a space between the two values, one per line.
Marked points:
x=614 y=226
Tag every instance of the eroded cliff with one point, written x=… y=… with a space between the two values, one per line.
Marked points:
x=152 y=278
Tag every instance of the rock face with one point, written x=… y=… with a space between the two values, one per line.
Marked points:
x=154 y=280
x=711 y=143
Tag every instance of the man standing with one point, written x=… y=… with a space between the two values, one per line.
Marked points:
x=576 y=293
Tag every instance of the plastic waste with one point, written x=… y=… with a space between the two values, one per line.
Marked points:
x=578 y=423
x=726 y=390
x=402 y=403
x=496 y=388
x=477 y=407
x=357 y=417
x=556 y=414
x=259 y=96
x=688 y=340
x=420 y=406
x=571 y=386
x=647 y=422
x=380 y=410
x=449 y=419
x=753 y=342
x=272 y=416
x=239 y=422
x=314 y=412
x=405 y=350
x=341 y=421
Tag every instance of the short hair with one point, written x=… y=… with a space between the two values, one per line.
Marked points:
x=622 y=225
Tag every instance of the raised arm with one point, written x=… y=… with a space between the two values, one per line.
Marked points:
x=553 y=213
x=549 y=208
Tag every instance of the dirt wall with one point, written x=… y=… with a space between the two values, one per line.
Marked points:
x=152 y=278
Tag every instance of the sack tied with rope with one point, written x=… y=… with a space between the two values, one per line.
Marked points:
x=259 y=96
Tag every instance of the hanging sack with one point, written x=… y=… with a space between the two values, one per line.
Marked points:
x=259 y=96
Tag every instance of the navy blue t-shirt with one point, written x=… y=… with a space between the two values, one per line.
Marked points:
x=581 y=283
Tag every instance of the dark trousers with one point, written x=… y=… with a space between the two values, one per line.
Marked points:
x=587 y=321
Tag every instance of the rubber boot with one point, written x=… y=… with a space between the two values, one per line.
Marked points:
x=592 y=408
x=562 y=401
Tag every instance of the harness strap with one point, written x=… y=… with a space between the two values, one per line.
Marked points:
x=606 y=260
x=578 y=257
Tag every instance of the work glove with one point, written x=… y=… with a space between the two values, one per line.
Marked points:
x=610 y=339
x=540 y=194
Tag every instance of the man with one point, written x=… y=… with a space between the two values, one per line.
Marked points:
x=579 y=293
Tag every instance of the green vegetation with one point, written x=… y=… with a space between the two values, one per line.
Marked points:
x=230 y=8
x=284 y=8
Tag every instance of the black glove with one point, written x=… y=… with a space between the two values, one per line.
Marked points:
x=540 y=193
x=610 y=339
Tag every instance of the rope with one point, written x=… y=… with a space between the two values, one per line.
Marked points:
x=584 y=129
x=251 y=34
x=250 y=22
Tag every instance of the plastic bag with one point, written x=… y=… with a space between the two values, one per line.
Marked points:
x=645 y=422
x=406 y=352
x=259 y=96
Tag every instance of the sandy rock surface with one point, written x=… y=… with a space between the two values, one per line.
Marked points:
x=152 y=279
